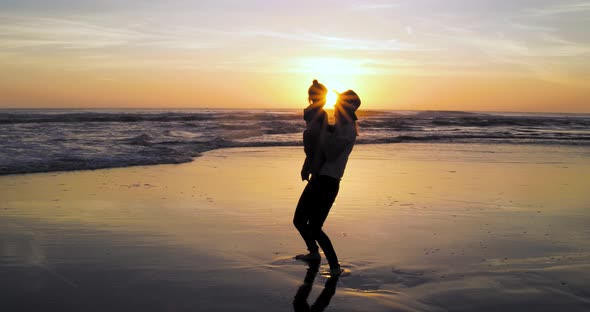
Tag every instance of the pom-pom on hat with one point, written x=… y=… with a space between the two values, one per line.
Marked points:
x=317 y=91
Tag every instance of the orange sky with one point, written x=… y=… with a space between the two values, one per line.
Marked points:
x=463 y=55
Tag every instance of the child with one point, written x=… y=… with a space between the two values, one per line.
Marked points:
x=316 y=120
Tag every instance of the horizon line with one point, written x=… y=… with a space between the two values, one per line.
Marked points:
x=283 y=108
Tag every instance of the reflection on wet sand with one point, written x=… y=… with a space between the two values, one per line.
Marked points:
x=300 y=303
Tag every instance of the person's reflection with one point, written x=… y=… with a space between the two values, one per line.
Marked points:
x=300 y=301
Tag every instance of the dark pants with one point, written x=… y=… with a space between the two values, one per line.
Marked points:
x=312 y=210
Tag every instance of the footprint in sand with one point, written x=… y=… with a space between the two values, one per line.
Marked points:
x=284 y=260
x=326 y=273
x=324 y=270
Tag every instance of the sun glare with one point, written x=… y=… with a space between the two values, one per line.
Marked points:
x=333 y=87
x=335 y=73
x=330 y=100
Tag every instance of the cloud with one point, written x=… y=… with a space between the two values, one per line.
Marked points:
x=76 y=33
x=559 y=9
x=26 y=33
x=338 y=43
x=443 y=37
x=388 y=45
x=79 y=33
x=373 y=6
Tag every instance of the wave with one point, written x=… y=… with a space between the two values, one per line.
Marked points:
x=44 y=141
x=85 y=117
x=521 y=121
x=481 y=139
x=175 y=152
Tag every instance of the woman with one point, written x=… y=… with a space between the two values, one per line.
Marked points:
x=319 y=194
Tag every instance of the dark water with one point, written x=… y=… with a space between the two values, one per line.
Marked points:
x=56 y=140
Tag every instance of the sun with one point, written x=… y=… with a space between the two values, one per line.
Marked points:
x=333 y=86
x=330 y=100
x=337 y=74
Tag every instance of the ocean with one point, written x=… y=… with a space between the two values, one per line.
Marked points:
x=76 y=139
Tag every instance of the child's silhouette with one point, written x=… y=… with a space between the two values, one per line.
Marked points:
x=316 y=120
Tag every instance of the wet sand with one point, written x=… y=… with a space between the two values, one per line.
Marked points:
x=421 y=227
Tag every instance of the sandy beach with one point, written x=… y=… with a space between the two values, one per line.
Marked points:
x=421 y=227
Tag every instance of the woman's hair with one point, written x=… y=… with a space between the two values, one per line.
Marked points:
x=350 y=99
x=317 y=92
x=349 y=102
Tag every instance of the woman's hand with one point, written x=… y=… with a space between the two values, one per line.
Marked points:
x=304 y=175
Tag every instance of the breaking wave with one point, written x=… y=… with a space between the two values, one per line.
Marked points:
x=58 y=140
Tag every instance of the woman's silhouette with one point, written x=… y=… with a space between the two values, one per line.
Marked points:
x=335 y=146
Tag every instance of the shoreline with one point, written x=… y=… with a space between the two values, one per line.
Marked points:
x=393 y=142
